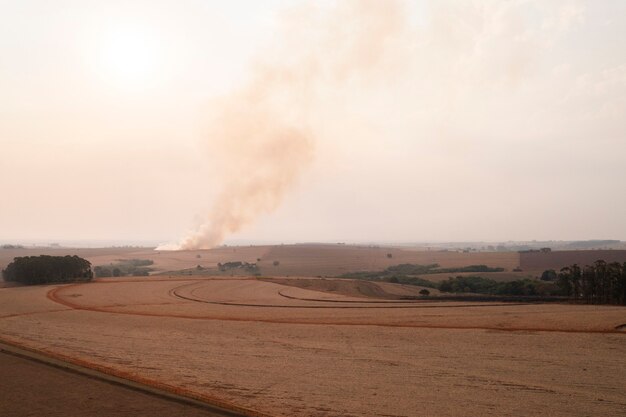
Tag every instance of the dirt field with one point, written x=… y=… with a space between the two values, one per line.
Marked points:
x=29 y=388
x=324 y=349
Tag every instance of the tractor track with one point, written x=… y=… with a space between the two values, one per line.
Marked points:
x=175 y=292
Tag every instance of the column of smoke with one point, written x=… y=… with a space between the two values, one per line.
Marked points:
x=263 y=135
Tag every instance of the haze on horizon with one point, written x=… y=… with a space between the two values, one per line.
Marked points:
x=405 y=121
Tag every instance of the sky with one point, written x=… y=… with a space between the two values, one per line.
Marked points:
x=198 y=122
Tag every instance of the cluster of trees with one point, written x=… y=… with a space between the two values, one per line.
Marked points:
x=600 y=283
x=404 y=271
x=480 y=285
x=403 y=279
x=46 y=269
x=124 y=267
x=9 y=246
x=248 y=267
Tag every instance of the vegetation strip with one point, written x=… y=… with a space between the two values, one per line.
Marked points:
x=600 y=283
x=126 y=380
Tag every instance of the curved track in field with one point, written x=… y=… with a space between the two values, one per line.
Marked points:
x=260 y=301
x=259 y=346
x=191 y=292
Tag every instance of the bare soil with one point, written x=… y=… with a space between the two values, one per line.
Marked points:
x=29 y=388
x=558 y=259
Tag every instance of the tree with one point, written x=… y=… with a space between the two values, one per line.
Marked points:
x=568 y=280
x=600 y=283
x=424 y=292
x=46 y=269
x=549 y=275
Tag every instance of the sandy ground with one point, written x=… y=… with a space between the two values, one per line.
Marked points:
x=295 y=351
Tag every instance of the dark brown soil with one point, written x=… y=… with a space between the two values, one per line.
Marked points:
x=29 y=388
x=537 y=261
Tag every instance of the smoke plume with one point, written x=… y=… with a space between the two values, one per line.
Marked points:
x=263 y=135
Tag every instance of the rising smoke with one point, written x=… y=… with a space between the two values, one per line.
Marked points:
x=263 y=135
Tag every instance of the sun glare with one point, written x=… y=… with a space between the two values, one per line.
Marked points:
x=130 y=58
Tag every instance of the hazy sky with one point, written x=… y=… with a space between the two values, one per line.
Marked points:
x=418 y=120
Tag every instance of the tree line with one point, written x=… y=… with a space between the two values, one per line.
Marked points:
x=600 y=283
x=416 y=269
x=46 y=269
x=480 y=285
x=124 y=267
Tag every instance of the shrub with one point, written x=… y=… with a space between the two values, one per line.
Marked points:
x=102 y=272
x=549 y=275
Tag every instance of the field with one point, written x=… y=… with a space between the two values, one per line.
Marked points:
x=293 y=260
x=319 y=260
x=308 y=346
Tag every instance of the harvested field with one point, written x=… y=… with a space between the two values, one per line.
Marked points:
x=351 y=287
x=333 y=260
x=328 y=349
